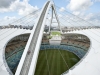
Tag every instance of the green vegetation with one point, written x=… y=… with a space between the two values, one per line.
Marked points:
x=50 y=62
x=49 y=37
x=55 y=33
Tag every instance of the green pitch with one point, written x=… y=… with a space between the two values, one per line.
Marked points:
x=55 y=33
x=54 y=62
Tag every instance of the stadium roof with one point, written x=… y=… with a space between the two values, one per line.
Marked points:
x=89 y=65
x=5 y=36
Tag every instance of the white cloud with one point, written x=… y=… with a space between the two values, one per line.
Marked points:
x=89 y=16
x=62 y=9
x=59 y=15
x=7 y=20
x=79 y=8
x=79 y=5
x=28 y=9
x=93 y=18
x=76 y=13
x=22 y=7
x=5 y=3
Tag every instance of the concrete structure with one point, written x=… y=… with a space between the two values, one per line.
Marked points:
x=89 y=65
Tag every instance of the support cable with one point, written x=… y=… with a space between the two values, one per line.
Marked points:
x=79 y=24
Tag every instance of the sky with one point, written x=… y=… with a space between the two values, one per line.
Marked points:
x=86 y=9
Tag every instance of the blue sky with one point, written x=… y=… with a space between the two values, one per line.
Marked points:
x=61 y=3
x=87 y=9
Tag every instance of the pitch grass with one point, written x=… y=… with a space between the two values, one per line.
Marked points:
x=55 y=33
x=54 y=64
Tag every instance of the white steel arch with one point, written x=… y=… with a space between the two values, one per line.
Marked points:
x=28 y=62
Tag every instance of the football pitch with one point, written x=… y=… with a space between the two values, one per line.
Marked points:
x=55 y=33
x=54 y=62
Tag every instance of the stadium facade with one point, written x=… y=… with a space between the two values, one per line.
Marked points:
x=88 y=51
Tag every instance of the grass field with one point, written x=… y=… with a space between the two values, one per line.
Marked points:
x=51 y=62
x=55 y=33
